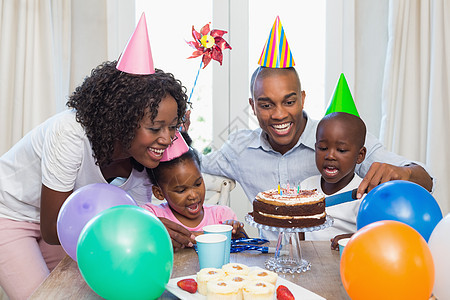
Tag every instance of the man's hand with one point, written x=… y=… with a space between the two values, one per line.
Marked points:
x=181 y=237
x=381 y=172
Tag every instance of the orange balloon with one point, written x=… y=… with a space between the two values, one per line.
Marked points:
x=387 y=260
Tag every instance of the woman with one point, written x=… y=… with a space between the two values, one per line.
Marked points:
x=118 y=123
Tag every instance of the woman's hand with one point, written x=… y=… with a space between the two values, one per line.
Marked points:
x=51 y=202
x=180 y=236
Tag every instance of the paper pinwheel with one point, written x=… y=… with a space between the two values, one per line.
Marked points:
x=209 y=43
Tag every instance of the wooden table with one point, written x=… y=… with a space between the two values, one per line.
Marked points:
x=66 y=282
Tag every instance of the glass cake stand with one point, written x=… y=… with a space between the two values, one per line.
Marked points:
x=288 y=239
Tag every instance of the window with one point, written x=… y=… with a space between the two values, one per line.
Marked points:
x=169 y=27
x=304 y=24
x=171 y=22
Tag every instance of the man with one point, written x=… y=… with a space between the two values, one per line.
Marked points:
x=281 y=151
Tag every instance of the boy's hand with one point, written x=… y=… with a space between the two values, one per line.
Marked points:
x=335 y=240
x=238 y=228
x=381 y=172
x=181 y=237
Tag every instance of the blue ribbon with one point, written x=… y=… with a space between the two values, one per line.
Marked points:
x=241 y=248
x=248 y=241
x=246 y=244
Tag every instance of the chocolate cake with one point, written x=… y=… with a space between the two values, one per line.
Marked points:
x=305 y=208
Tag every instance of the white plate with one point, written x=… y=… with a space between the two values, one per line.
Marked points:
x=298 y=291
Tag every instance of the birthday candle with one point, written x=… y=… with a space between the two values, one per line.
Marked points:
x=288 y=188
x=279 y=190
x=298 y=189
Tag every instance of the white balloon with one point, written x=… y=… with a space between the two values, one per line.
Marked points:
x=439 y=244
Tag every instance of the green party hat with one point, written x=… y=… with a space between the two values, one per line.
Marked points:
x=342 y=100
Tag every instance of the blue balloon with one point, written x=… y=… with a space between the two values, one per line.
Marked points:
x=402 y=201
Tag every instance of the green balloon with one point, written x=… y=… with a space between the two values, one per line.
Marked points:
x=125 y=252
x=342 y=100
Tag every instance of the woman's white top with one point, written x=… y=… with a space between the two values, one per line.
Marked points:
x=59 y=155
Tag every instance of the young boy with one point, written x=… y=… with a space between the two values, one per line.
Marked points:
x=180 y=182
x=339 y=148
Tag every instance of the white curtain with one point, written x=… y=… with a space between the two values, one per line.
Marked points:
x=47 y=48
x=35 y=42
x=416 y=95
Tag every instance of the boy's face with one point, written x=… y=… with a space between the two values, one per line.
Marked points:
x=278 y=105
x=337 y=153
x=183 y=188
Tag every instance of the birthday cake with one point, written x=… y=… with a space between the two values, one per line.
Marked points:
x=289 y=208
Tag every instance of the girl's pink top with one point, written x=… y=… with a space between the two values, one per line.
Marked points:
x=213 y=214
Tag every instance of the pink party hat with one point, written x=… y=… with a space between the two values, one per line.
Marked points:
x=276 y=52
x=176 y=149
x=137 y=58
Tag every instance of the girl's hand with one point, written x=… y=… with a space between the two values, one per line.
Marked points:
x=238 y=228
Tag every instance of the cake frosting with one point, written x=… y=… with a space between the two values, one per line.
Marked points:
x=290 y=197
x=291 y=208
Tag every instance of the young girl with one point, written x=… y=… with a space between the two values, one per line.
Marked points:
x=180 y=182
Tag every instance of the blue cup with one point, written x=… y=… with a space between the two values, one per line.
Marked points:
x=221 y=229
x=211 y=249
x=342 y=243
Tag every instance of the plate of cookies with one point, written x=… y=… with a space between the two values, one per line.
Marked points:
x=236 y=281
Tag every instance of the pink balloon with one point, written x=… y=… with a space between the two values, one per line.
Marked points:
x=81 y=206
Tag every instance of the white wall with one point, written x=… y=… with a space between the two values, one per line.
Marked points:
x=230 y=108
x=356 y=46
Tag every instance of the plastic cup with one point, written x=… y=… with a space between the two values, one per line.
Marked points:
x=342 y=243
x=225 y=230
x=211 y=249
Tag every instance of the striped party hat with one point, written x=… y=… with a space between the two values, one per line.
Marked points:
x=342 y=100
x=276 y=52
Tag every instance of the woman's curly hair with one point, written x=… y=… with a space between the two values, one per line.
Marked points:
x=110 y=105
